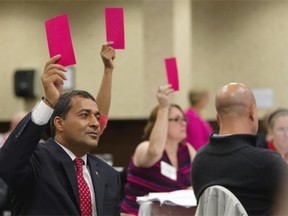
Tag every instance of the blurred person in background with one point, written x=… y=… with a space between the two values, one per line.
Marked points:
x=198 y=129
x=278 y=132
x=4 y=189
x=17 y=117
x=263 y=135
x=162 y=163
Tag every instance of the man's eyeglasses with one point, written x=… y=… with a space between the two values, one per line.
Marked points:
x=178 y=120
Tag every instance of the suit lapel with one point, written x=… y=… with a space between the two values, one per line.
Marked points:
x=98 y=180
x=70 y=172
x=68 y=166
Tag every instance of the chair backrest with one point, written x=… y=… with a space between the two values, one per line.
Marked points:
x=218 y=200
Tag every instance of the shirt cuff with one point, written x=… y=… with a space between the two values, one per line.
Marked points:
x=41 y=113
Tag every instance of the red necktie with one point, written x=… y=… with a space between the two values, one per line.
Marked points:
x=84 y=191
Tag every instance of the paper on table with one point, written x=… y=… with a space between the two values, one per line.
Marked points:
x=185 y=198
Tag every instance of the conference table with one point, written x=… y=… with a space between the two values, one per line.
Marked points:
x=177 y=203
x=153 y=208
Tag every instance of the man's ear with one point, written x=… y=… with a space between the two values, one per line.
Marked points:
x=58 y=122
x=253 y=113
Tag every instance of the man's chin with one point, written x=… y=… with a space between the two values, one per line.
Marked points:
x=93 y=143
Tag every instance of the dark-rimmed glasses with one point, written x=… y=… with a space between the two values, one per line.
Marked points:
x=178 y=120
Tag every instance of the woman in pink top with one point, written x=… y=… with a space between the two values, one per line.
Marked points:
x=198 y=130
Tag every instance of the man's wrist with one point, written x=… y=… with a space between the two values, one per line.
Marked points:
x=108 y=68
x=47 y=102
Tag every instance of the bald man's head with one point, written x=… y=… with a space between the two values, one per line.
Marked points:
x=236 y=109
x=234 y=99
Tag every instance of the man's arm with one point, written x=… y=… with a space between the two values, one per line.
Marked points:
x=19 y=147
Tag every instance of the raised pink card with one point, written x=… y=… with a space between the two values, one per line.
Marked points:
x=59 y=39
x=114 y=19
x=172 y=73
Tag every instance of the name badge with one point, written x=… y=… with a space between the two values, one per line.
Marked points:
x=168 y=171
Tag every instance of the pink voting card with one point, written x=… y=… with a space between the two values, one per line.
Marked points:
x=59 y=39
x=172 y=73
x=115 y=27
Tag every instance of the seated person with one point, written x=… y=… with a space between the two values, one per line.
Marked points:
x=4 y=189
x=278 y=132
x=161 y=163
x=60 y=176
x=231 y=159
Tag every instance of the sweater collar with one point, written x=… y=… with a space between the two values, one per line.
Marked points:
x=229 y=143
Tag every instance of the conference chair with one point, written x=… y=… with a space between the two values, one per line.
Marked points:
x=217 y=200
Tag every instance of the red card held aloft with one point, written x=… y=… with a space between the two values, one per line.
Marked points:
x=59 y=39
x=172 y=73
x=114 y=19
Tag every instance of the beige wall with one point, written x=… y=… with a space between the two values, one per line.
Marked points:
x=23 y=45
x=215 y=42
x=149 y=29
x=242 y=41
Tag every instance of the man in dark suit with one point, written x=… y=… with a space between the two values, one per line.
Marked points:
x=42 y=176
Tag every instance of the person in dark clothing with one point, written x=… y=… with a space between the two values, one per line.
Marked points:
x=231 y=159
x=60 y=176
